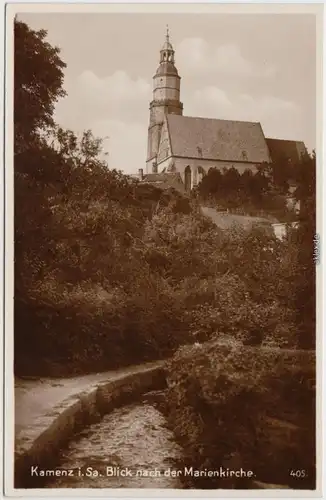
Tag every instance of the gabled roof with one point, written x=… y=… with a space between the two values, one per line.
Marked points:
x=286 y=150
x=213 y=139
x=165 y=180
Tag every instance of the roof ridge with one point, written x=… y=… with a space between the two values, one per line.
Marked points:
x=212 y=119
x=283 y=140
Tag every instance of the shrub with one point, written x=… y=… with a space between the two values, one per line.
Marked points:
x=257 y=403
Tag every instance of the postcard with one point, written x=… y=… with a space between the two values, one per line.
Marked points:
x=163 y=234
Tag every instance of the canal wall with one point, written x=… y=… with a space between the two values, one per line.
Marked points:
x=51 y=432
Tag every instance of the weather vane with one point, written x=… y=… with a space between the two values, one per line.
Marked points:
x=167 y=32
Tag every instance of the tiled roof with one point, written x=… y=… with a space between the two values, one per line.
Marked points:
x=286 y=150
x=217 y=139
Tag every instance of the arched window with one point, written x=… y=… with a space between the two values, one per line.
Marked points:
x=188 y=179
x=200 y=174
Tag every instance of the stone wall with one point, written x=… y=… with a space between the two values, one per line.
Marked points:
x=166 y=87
x=153 y=141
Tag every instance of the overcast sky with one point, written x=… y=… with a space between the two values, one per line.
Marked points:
x=232 y=66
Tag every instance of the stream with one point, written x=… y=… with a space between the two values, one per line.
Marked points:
x=130 y=447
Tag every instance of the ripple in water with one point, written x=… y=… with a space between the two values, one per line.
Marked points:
x=134 y=436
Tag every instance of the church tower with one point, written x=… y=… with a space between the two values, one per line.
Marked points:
x=166 y=100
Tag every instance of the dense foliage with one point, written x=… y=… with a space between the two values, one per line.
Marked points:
x=109 y=271
x=232 y=406
x=264 y=192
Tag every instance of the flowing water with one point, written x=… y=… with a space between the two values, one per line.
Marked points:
x=132 y=440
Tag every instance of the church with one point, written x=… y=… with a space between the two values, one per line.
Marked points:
x=182 y=149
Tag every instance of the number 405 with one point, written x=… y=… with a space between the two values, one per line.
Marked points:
x=298 y=473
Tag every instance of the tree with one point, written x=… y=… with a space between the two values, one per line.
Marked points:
x=211 y=184
x=38 y=80
x=38 y=84
x=250 y=191
x=282 y=173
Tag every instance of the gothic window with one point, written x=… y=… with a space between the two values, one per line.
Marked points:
x=188 y=178
x=244 y=155
x=200 y=174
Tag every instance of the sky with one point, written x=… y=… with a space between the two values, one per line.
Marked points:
x=251 y=67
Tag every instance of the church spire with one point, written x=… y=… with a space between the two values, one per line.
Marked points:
x=166 y=100
x=167 y=52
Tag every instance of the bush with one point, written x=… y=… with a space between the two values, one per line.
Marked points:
x=258 y=404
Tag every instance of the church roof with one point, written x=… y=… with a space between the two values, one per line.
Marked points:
x=286 y=150
x=167 y=44
x=213 y=139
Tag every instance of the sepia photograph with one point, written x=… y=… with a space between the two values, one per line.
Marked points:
x=163 y=163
